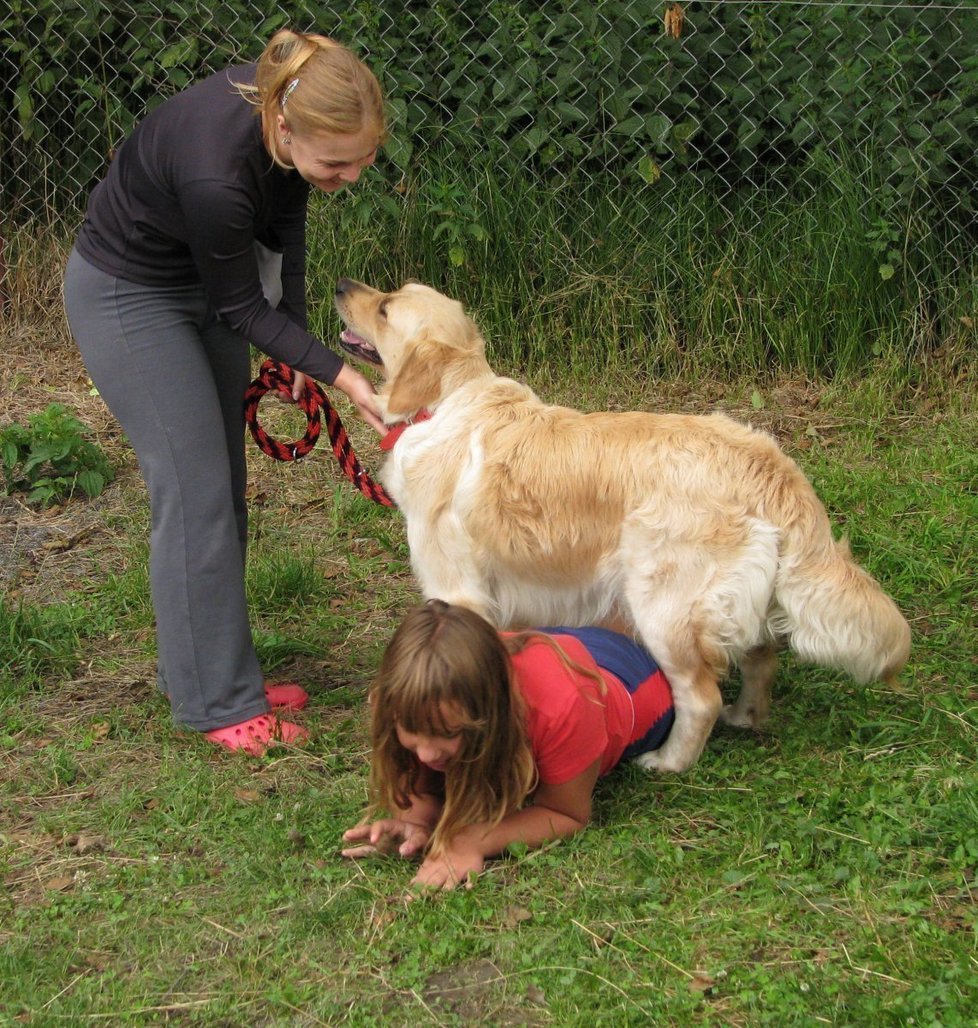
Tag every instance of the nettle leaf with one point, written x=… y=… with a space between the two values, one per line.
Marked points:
x=61 y=451
x=43 y=493
x=658 y=126
x=630 y=126
x=11 y=454
x=40 y=456
x=570 y=112
x=649 y=170
x=25 y=110
x=182 y=52
x=504 y=84
x=91 y=482
x=535 y=137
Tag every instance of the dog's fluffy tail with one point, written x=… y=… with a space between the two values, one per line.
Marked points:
x=833 y=613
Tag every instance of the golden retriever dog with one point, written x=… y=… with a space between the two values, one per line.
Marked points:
x=697 y=532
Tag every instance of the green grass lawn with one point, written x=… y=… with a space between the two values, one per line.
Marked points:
x=821 y=872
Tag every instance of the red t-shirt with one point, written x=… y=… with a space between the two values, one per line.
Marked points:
x=569 y=722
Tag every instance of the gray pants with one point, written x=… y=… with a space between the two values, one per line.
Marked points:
x=174 y=376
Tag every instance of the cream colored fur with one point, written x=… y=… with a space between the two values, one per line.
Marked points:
x=697 y=532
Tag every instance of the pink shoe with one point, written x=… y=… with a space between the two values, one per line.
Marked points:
x=256 y=735
x=286 y=695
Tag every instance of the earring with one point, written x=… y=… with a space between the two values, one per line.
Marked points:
x=287 y=139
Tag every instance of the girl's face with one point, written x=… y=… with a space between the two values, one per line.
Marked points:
x=435 y=751
x=326 y=161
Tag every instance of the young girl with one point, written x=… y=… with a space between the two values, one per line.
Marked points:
x=482 y=739
x=193 y=247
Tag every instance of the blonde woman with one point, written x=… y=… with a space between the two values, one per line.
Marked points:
x=481 y=739
x=193 y=246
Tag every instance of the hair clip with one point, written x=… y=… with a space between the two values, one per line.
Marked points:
x=288 y=91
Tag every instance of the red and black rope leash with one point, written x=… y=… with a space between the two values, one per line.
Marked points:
x=275 y=376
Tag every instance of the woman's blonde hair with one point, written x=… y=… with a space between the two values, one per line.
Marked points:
x=318 y=85
x=443 y=654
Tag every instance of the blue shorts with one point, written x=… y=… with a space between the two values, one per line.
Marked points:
x=633 y=665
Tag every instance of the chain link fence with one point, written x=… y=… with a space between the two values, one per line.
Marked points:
x=613 y=108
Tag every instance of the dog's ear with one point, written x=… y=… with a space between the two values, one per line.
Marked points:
x=418 y=380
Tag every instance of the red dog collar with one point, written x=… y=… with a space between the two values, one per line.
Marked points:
x=387 y=443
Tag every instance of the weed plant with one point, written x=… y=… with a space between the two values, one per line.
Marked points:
x=50 y=457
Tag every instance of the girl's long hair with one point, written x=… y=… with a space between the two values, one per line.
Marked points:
x=318 y=85
x=449 y=655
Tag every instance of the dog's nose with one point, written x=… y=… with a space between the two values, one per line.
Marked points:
x=344 y=285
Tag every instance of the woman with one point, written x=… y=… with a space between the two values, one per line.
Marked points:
x=193 y=247
x=468 y=725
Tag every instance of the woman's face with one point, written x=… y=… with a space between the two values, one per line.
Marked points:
x=435 y=751
x=327 y=161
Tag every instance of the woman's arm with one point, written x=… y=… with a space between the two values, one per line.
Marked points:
x=557 y=811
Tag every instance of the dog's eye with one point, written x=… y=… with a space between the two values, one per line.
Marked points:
x=382 y=309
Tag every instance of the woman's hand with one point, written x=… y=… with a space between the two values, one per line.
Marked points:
x=295 y=394
x=362 y=395
x=386 y=836
x=298 y=386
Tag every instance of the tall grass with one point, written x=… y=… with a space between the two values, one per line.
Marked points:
x=813 y=276
x=789 y=277
x=36 y=642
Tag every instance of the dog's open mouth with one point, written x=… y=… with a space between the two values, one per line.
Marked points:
x=358 y=347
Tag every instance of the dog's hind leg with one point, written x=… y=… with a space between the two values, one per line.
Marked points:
x=698 y=588
x=696 y=698
x=674 y=629
x=758 y=668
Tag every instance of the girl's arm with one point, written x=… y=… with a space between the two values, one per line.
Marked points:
x=557 y=811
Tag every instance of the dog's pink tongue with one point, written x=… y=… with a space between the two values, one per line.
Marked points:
x=349 y=336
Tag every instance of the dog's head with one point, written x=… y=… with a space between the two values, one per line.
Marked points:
x=423 y=341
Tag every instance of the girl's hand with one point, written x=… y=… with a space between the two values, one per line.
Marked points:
x=383 y=837
x=362 y=396
x=454 y=866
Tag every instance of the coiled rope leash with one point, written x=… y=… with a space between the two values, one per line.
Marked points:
x=273 y=375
